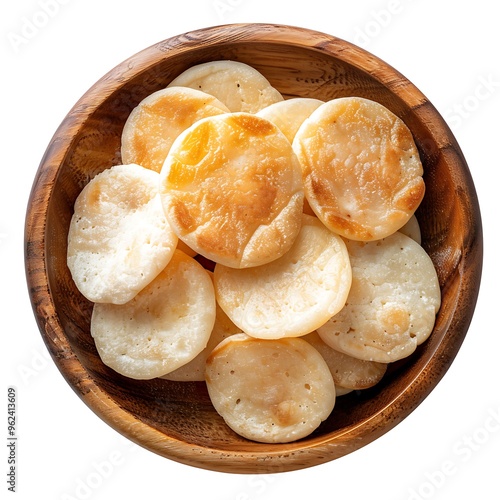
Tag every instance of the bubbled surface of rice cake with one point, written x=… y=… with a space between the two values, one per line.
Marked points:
x=232 y=190
x=392 y=304
x=153 y=125
x=289 y=115
x=348 y=372
x=361 y=167
x=271 y=391
x=239 y=86
x=293 y=295
x=119 y=238
x=164 y=327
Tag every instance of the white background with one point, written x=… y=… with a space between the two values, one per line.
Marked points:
x=448 y=448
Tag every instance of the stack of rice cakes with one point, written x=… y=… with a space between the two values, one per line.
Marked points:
x=305 y=210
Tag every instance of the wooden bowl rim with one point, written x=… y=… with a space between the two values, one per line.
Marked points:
x=284 y=457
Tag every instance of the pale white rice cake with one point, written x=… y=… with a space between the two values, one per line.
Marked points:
x=292 y=295
x=348 y=372
x=231 y=188
x=239 y=86
x=392 y=304
x=195 y=369
x=271 y=391
x=119 y=238
x=361 y=167
x=289 y=115
x=164 y=327
x=153 y=125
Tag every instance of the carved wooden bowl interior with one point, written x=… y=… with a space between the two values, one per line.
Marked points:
x=176 y=419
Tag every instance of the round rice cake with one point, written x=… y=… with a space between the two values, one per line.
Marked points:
x=348 y=372
x=289 y=115
x=392 y=304
x=119 y=238
x=239 y=86
x=153 y=125
x=195 y=369
x=164 y=327
x=361 y=168
x=271 y=391
x=292 y=295
x=231 y=188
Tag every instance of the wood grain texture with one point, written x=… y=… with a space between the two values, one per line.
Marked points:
x=175 y=419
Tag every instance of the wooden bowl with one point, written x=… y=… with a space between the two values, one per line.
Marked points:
x=177 y=420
